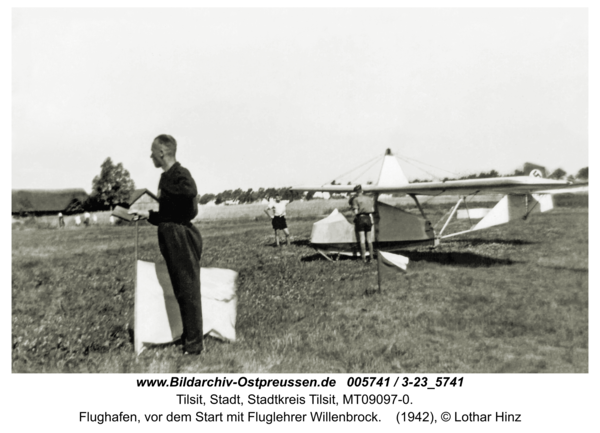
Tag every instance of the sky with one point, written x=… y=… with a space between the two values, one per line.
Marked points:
x=281 y=97
x=285 y=97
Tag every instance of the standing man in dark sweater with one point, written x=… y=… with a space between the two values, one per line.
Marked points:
x=179 y=240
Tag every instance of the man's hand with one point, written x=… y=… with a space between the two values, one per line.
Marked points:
x=139 y=214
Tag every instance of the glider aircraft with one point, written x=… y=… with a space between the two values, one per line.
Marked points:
x=396 y=229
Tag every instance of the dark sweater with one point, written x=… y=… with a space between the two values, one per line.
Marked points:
x=177 y=197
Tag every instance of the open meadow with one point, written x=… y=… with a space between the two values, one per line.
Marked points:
x=512 y=299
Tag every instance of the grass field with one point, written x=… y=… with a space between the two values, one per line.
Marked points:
x=510 y=299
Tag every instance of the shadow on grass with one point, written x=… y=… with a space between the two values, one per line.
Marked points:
x=456 y=259
x=371 y=292
x=301 y=242
x=298 y=243
x=566 y=268
x=482 y=241
x=208 y=341
x=451 y=259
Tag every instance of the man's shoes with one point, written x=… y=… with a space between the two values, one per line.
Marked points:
x=195 y=351
x=193 y=347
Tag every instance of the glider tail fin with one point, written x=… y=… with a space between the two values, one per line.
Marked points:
x=534 y=170
x=514 y=207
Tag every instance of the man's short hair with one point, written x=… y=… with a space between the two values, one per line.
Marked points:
x=357 y=188
x=168 y=142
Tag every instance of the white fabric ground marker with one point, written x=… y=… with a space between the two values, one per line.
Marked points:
x=157 y=318
x=388 y=263
x=394 y=261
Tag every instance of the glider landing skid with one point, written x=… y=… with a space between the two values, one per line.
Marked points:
x=334 y=256
x=326 y=256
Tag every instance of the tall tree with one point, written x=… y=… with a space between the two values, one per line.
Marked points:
x=247 y=196
x=558 y=174
x=583 y=174
x=206 y=198
x=113 y=185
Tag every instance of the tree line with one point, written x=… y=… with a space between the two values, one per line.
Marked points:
x=113 y=186
x=558 y=174
x=250 y=195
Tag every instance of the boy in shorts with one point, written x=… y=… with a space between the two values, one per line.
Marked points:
x=277 y=215
x=363 y=208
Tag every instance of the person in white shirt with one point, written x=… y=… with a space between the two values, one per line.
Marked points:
x=276 y=211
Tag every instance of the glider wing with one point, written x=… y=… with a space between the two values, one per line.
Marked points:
x=494 y=185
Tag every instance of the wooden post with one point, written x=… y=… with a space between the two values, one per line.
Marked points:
x=135 y=293
x=375 y=219
x=379 y=271
x=376 y=240
x=376 y=237
x=136 y=241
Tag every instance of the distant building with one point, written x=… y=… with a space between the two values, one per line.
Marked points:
x=143 y=199
x=48 y=201
x=323 y=195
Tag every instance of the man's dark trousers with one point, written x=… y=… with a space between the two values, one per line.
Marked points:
x=181 y=246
